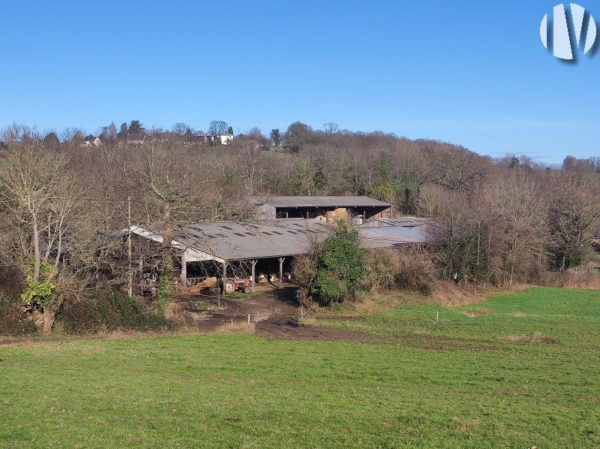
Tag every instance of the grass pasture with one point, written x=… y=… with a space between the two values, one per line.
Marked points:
x=515 y=371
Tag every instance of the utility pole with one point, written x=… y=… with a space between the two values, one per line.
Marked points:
x=130 y=272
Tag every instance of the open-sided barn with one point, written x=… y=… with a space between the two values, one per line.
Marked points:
x=220 y=247
x=276 y=207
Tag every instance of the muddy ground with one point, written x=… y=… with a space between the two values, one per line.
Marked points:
x=211 y=313
x=272 y=315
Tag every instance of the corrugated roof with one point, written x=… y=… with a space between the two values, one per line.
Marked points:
x=393 y=236
x=228 y=240
x=324 y=201
x=246 y=240
x=407 y=222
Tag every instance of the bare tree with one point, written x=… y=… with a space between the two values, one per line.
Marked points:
x=218 y=127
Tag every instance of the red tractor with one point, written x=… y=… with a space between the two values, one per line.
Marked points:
x=237 y=284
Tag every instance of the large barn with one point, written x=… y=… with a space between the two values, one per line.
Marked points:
x=225 y=249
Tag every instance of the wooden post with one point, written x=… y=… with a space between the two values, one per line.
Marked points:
x=224 y=277
x=184 y=269
x=281 y=260
x=253 y=278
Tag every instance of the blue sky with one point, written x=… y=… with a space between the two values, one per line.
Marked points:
x=471 y=73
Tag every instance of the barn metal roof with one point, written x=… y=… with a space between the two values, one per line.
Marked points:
x=229 y=240
x=393 y=237
x=406 y=222
x=325 y=201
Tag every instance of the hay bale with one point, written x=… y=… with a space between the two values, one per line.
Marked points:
x=208 y=282
x=340 y=213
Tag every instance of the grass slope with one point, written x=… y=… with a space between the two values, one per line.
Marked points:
x=235 y=390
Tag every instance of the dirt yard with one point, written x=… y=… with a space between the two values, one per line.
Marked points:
x=272 y=313
x=208 y=313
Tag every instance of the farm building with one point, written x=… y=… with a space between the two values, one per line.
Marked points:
x=277 y=207
x=228 y=250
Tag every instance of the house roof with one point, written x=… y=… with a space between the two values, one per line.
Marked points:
x=324 y=201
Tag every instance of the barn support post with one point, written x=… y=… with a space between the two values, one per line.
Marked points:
x=281 y=260
x=253 y=278
x=184 y=269
x=224 y=277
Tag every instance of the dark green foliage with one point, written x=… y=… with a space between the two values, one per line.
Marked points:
x=405 y=186
x=109 y=310
x=384 y=168
x=166 y=288
x=276 y=137
x=51 y=140
x=136 y=129
x=341 y=268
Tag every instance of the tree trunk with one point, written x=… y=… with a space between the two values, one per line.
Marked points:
x=59 y=251
x=167 y=253
x=47 y=319
x=36 y=251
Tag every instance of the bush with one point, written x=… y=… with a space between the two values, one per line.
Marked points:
x=109 y=310
x=404 y=268
x=12 y=281
x=12 y=319
x=340 y=268
x=416 y=271
x=384 y=266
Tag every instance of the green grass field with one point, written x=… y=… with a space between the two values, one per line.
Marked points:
x=516 y=371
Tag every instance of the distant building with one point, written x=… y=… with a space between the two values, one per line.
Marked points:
x=220 y=139
x=95 y=142
x=366 y=208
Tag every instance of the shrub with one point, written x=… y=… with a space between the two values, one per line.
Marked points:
x=384 y=266
x=340 y=268
x=416 y=271
x=12 y=319
x=403 y=268
x=109 y=310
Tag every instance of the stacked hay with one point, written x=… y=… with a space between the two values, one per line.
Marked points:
x=336 y=215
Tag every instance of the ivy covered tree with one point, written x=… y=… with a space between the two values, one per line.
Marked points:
x=341 y=267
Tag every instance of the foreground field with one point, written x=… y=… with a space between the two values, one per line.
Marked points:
x=513 y=372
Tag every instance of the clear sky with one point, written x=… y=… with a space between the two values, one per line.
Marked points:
x=473 y=73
